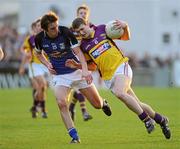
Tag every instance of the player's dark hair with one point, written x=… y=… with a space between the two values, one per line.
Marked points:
x=48 y=18
x=77 y=22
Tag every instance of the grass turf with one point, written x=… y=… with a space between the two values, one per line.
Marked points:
x=122 y=130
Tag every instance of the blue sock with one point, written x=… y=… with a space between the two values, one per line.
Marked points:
x=73 y=133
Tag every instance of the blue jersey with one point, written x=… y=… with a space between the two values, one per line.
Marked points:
x=58 y=49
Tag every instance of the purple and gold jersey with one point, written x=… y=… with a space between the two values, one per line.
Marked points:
x=79 y=38
x=104 y=52
x=28 y=46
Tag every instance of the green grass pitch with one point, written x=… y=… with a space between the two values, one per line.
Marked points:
x=122 y=130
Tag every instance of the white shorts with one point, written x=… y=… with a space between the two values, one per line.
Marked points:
x=71 y=80
x=37 y=70
x=124 y=69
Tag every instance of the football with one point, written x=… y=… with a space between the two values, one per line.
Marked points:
x=112 y=32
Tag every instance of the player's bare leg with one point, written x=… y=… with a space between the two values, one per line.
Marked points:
x=95 y=99
x=77 y=96
x=33 y=109
x=62 y=94
x=121 y=86
x=42 y=88
x=144 y=106
x=72 y=107
x=159 y=118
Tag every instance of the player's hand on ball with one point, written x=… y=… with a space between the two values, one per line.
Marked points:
x=120 y=24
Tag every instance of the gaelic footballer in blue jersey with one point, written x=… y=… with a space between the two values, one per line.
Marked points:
x=60 y=44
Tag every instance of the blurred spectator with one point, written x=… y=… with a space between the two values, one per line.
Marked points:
x=159 y=61
x=10 y=42
x=145 y=61
x=168 y=61
x=133 y=60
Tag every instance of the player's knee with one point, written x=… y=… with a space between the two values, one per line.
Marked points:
x=43 y=88
x=38 y=91
x=62 y=104
x=121 y=95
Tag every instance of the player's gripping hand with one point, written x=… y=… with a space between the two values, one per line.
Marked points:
x=120 y=24
x=51 y=69
x=71 y=63
x=87 y=76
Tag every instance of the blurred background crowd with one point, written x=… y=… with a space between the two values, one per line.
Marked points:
x=11 y=41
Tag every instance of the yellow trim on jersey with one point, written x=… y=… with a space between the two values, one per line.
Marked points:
x=27 y=48
x=92 y=34
x=107 y=57
x=87 y=57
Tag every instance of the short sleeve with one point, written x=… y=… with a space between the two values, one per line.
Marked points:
x=38 y=39
x=71 y=37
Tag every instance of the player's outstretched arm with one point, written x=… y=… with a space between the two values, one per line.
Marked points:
x=85 y=73
x=44 y=61
x=73 y=64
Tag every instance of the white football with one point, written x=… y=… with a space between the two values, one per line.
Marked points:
x=112 y=32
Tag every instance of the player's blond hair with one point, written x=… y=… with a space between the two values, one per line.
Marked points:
x=83 y=7
x=35 y=22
